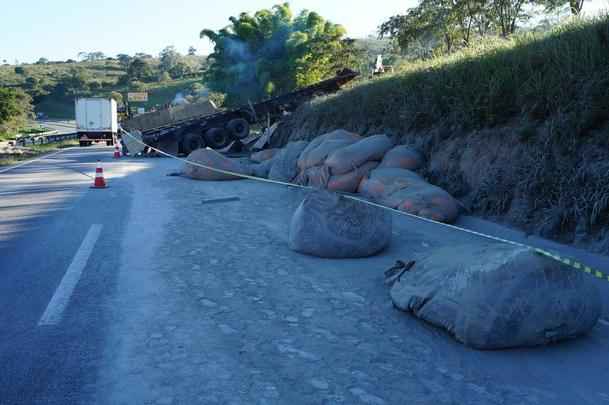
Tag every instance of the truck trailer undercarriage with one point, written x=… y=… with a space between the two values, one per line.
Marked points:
x=218 y=129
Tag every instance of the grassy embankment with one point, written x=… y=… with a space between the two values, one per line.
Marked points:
x=516 y=129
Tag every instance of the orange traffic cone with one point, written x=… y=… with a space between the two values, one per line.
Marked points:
x=99 y=182
x=117 y=152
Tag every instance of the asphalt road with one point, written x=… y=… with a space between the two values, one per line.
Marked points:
x=46 y=210
x=141 y=294
x=62 y=126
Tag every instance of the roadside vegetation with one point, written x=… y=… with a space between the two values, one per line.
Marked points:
x=15 y=110
x=53 y=85
x=531 y=77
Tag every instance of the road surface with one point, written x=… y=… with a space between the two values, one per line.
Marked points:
x=62 y=126
x=141 y=294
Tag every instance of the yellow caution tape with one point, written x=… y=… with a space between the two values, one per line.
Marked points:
x=569 y=262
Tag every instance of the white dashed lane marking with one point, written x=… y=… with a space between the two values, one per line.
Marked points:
x=52 y=315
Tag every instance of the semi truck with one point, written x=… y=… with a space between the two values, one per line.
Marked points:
x=96 y=120
x=190 y=130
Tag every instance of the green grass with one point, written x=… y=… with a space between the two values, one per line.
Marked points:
x=532 y=76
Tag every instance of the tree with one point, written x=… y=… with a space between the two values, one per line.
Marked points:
x=93 y=56
x=169 y=58
x=508 y=13
x=164 y=77
x=15 y=109
x=139 y=69
x=575 y=6
x=123 y=59
x=192 y=51
x=452 y=23
x=42 y=61
x=19 y=70
x=271 y=52
x=76 y=82
x=179 y=70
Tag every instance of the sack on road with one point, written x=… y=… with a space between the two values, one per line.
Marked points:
x=264 y=155
x=332 y=226
x=495 y=296
x=284 y=163
x=427 y=201
x=349 y=182
x=382 y=182
x=213 y=159
x=262 y=169
x=402 y=157
x=317 y=176
x=337 y=135
x=368 y=149
x=317 y=156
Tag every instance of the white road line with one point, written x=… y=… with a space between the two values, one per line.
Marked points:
x=27 y=162
x=52 y=315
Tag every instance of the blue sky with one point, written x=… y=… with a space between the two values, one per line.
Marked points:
x=59 y=29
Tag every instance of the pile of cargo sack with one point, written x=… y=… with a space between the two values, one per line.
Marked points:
x=342 y=161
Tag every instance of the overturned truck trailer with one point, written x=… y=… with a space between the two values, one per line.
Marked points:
x=187 y=128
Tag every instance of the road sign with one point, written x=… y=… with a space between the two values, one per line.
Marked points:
x=137 y=96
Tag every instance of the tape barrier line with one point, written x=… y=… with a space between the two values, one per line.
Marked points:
x=569 y=262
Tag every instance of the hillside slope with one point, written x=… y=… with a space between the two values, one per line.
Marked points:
x=517 y=130
x=49 y=84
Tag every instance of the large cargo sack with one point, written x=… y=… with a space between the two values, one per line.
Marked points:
x=284 y=163
x=215 y=160
x=317 y=155
x=425 y=200
x=337 y=135
x=381 y=182
x=262 y=169
x=402 y=157
x=317 y=176
x=332 y=226
x=264 y=155
x=352 y=156
x=495 y=296
x=349 y=182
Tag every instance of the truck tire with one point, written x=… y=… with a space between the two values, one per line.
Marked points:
x=239 y=128
x=217 y=138
x=191 y=143
x=82 y=143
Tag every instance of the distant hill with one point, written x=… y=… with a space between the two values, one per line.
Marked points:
x=54 y=85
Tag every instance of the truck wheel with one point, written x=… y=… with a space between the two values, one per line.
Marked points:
x=82 y=143
x=109 y=143
x=217 y=138
x=239 y=128
x=191 y=142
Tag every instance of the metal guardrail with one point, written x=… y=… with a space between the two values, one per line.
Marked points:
x=41 y=139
